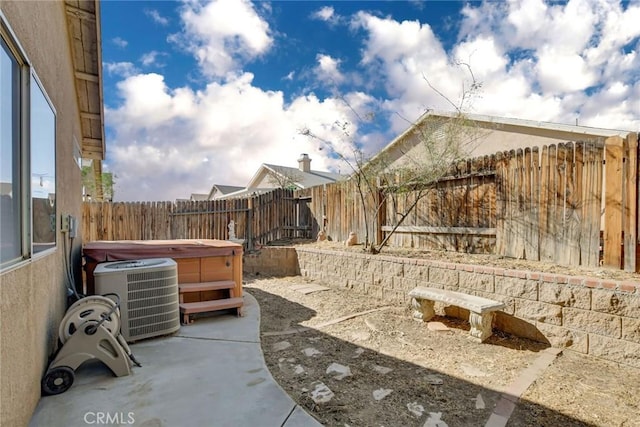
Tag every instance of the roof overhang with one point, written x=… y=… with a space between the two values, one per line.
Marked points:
x=83 y=22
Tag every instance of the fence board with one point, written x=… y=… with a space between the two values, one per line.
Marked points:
x=630 y=212
x=613 y=201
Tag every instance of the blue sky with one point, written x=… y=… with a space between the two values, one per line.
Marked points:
x=202 y=92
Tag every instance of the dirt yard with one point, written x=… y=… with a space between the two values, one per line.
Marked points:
x=383 y=368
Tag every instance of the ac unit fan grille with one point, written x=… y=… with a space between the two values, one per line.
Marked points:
x=146 y=313
x=153 y=278
x=137 y=293
x=140 y=303
x=168 y=321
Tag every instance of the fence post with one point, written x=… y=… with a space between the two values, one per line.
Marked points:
x=614 y=184
x=249 y=235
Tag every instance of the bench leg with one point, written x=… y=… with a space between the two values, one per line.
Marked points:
x=422 y=309
x=480 y=326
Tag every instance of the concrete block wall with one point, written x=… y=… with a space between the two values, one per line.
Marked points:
x=271 y=261
x=584 y=314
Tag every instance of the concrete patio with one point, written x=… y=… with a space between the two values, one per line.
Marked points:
x=210 y=373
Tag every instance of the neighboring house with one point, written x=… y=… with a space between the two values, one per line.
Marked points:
x=52 y=118
x=269 y=176
x=482 y=135
x=196 y=197
x=219 y=190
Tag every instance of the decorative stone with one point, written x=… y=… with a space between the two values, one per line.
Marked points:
x=381 y=393
x=310 y=352
x=341 y=371
x=435 y=420
x=479 y=402
x=321 y=393
x=415 y=408
x=282 y=345
x=437 y=327
x=434 y=380
x=381 y=369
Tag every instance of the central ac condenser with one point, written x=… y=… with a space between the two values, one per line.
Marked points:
x=148 y=292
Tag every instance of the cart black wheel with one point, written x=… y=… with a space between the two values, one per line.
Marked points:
x=57 y=380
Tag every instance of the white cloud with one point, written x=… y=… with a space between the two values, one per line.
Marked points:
x=223 y=34
x=157 y=18
x=535 y=61
x=563 y=72
x=122 y=69
x=235 y=125
x=152 y=58
x=120 y=42
x=327 y=70
x=326 y=14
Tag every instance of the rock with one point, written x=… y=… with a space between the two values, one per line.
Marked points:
x=358 y=352
x=321 y=393
x=480 y=402
x=415 y=408
x=282 y=345
x=434 y=380
x=381 y=393
x=434 y=420
x=437 y=326
x=381 y=369
x=298 y=369
x=310 y=352
x=341 y=371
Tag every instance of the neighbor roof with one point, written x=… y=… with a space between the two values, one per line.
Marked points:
x=223 y=189
x=300 y=178
x=510 y=124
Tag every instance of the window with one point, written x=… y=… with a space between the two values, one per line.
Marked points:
x=43 y=169
x=27 y=158
x=10 y=170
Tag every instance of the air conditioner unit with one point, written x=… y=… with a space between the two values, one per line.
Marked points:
x=148 y=291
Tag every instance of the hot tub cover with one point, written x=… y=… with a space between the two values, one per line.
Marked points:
x=119 y=250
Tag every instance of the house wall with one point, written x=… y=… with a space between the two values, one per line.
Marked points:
x=486 y=139
x=33 y=293
x=584 y=314
x=265 y=180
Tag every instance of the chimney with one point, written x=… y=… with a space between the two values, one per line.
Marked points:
x=304 y=163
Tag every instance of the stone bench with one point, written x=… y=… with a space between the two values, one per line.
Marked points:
x=480 y=309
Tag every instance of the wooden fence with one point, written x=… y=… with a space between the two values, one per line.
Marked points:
x=570 y=204
x=259 y=220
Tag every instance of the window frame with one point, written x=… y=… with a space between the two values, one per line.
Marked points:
x=27 y=74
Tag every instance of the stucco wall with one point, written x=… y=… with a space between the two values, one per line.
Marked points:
x=584 y=314
x=32 y=294
x=486 y=139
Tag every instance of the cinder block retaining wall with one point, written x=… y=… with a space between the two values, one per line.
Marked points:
x=271 y=261
x=584 y=314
